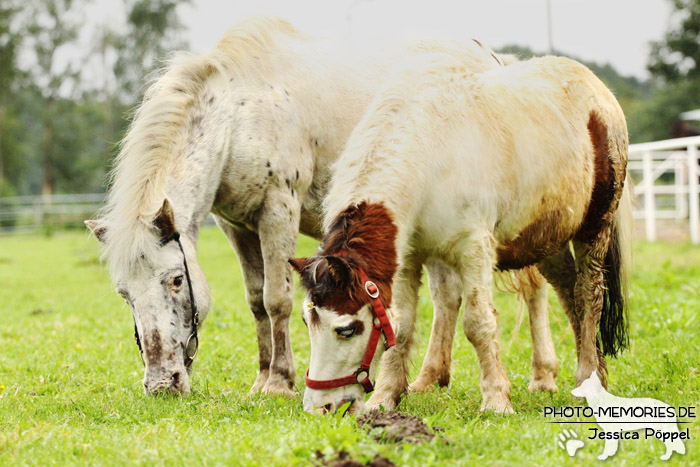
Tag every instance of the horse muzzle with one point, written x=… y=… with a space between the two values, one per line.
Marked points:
x=329 y=405
x=175 y=382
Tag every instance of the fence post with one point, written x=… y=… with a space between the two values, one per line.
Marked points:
x=682 y=188
x=693 y=193
x=649 y=201
x=38 y=211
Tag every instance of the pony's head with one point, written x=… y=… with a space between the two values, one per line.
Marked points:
x=166 y=290
x=347 y=287
x=347 y=338
x=590 y=387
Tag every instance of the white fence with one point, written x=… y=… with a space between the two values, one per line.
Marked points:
x=24 y=214
x=665 y=172
x=666 y=176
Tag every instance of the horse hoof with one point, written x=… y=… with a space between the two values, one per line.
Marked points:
x=544 y=384
x=426 y=381
x=499 y=405
x=278 y=387
x=379 y=403
x=421 y=385
x=260 y=381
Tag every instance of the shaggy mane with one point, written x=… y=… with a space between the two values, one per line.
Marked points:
x=156 y=137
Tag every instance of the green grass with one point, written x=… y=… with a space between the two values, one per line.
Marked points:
x=70 y=376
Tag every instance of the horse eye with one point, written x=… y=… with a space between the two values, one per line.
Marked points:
x=177 y=282
x=346 y=331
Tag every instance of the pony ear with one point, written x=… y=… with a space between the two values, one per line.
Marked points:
x=165 y=220
x=339 y=270
x=298 y=264
x=97 y=228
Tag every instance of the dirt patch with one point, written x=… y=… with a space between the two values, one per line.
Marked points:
x=343 y=459
x=397 y=427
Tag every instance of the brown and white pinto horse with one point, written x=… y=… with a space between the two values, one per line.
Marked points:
x=501 y=169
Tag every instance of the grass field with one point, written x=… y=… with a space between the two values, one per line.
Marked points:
x=70 y=376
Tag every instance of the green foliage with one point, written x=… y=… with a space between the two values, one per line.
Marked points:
x=10 y=40
x=151 y=24
x=70 y=376
x=58 y=132
x=653 y=118
x=677 y=57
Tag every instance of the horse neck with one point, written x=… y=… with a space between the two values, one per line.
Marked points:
x=381 y=179
x=196 y=173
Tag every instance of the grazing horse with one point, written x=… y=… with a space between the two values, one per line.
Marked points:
x=249 y=133
x=501 y=169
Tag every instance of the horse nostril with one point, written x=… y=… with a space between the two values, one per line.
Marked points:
x=326 y=408
x=176 y=378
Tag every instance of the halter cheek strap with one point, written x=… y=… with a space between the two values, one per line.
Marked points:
x=382 y=325
x=193 y=339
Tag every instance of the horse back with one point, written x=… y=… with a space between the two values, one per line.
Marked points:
x=576 y=139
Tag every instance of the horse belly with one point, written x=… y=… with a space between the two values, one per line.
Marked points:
x=547 y=229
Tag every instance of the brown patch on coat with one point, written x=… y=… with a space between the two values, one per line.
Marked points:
x=154 y=348
x=603 y=183
x=538 y=240
x=362 y=236
x=357 y=326
x=279 y=340
x=443 y=378
x=315 y=318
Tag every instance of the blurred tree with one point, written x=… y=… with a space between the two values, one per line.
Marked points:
x=677 y=56
x=675 y=64
x=10 y=40
x=57 y=130
x=55 y=25
x=151 y=24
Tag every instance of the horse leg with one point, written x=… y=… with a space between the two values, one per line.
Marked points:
x=446 y=292
x=589 y=294
x=481 y=328
x=392 y=380
x=246 y=244
x=560 y=271
x=545 y=367
x=278 y=229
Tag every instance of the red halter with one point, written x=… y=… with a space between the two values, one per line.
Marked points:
x=381 y=325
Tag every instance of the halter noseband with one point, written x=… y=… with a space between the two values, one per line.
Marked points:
x=381 y=325
x=192 y=339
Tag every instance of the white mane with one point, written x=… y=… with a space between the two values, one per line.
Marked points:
x=156 y=136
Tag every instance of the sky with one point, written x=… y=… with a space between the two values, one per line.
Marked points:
x=605 y=31
x=614 y=31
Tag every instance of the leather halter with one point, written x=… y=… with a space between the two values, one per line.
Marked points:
x=193 y=338
x=381 y=326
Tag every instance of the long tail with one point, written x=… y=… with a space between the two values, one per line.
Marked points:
x=614 y=319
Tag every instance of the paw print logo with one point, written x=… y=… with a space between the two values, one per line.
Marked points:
x=569 y=442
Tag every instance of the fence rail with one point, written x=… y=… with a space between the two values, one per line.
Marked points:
x=23 y=214
x=665 y=172
x=667 y=180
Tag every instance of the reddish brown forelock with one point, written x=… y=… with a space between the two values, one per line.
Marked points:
x=362 y=236
x=367 y=233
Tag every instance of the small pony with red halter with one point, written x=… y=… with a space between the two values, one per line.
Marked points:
x=496 y=170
